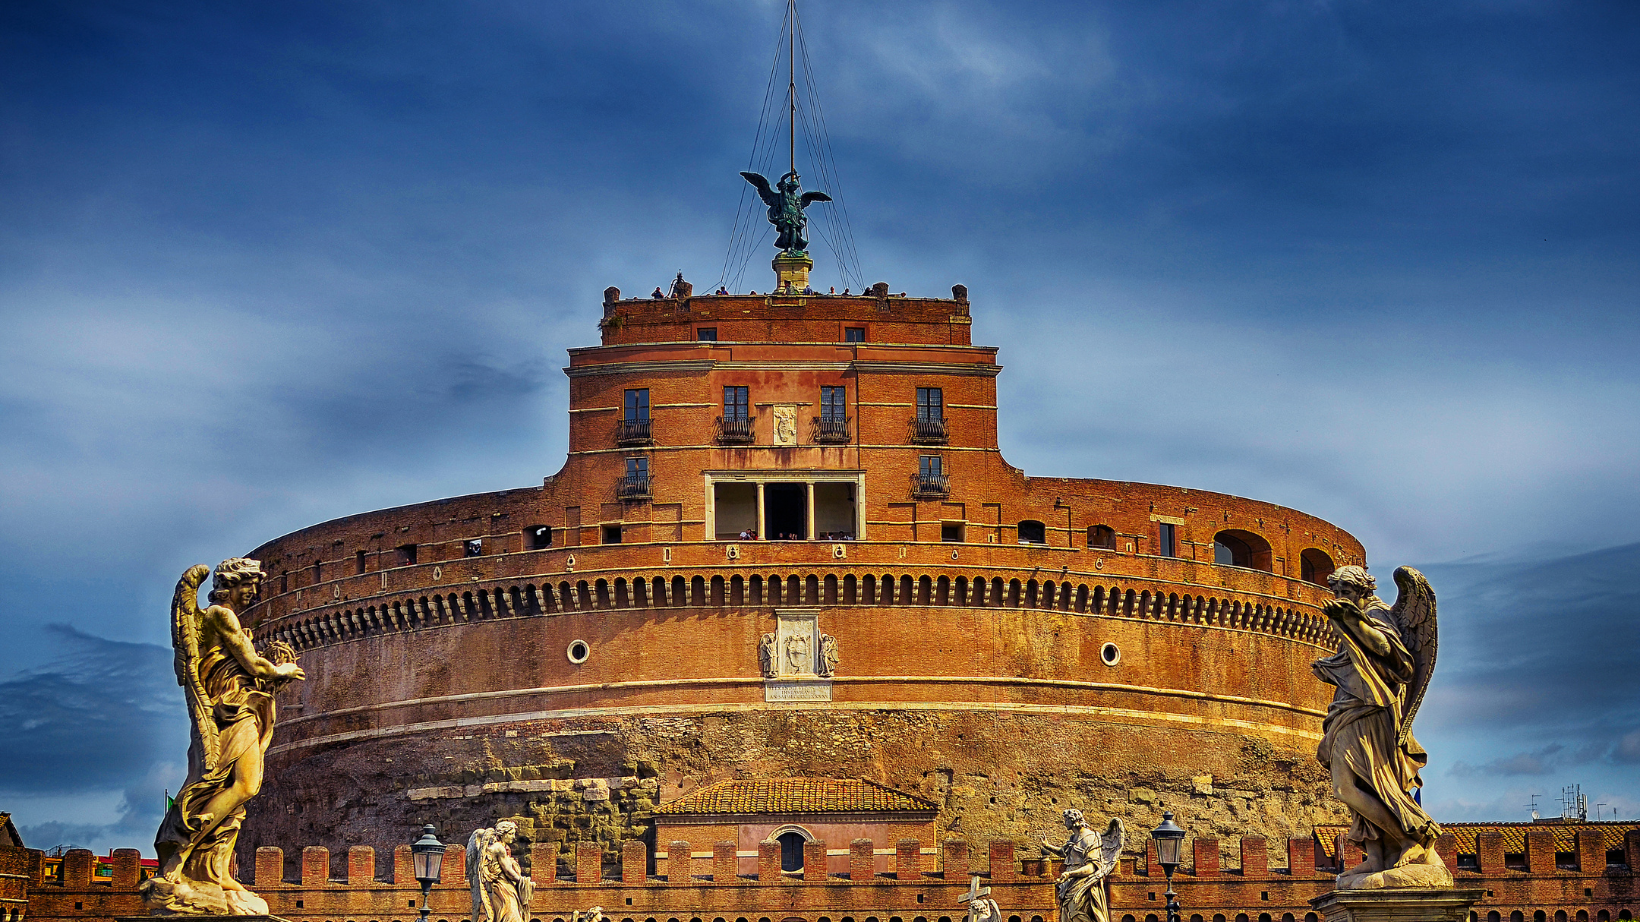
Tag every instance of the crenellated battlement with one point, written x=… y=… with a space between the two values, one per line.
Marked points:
x=921 y=881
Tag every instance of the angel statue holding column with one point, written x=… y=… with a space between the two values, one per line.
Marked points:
x=1385 y=658
x=501 y=890
x=1082 y=889
x=229 y=687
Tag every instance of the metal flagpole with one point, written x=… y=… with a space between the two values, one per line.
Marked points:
x=791 y=72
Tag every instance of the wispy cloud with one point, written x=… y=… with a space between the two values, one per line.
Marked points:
x=264 y=268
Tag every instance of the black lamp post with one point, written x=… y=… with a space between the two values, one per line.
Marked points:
x=427 y=854
x=1169 y=843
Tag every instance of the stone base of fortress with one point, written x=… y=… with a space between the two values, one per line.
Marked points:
x=995 y=774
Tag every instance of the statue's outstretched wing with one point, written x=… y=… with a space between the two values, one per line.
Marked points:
x=1111 y=845
x=475 y=862
x=185 y=629
x=1414 y=614
x=809 y=197
x=761 y=184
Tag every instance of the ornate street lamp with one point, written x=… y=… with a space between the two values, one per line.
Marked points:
x=427 y=854
x=1169 y=843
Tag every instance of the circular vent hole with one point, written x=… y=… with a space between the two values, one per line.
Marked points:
x=1110 y=655
x=578 y=651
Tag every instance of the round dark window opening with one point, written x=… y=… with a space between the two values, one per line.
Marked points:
x=578 y=651
x=1110 y=655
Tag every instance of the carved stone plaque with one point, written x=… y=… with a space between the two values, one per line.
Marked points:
x=785 y=425
x=799 y=673
x=797 y=690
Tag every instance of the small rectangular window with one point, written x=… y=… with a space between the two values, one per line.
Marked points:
x=706 y=334
x=358 y=562
x=284 y=581
x=540 y=537
x=929 y=466
x=833 y=404
x=930 y=404
x=473 y=547
x=951 y=531
x=854 y=335
x=407 y=555
x=612 y=534
x=637 y=405
x=318 y=573
x=1167 y=544
x=637 y=467
x=735 y=403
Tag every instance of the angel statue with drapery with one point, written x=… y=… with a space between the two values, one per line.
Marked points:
x=501 y=891
x=1385 y=658
x=1082 y=889
x=786 y=209
x=229 y=687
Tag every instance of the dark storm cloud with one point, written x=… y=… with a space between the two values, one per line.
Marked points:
x=265 y=266
x=98 y=716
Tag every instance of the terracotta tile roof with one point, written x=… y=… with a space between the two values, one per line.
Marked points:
x=1514 y=835
x=796 y=795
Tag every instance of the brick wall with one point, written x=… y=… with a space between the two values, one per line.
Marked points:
x=915 y=889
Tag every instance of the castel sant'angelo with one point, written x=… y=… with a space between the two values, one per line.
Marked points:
x=786 y=544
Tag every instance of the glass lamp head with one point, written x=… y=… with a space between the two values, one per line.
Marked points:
x=1169 y=842
x=427 y=854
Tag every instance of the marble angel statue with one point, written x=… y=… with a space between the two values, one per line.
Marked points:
x=1082 y=889
x=1385 y=658
x=229 y=689
x=501 y=892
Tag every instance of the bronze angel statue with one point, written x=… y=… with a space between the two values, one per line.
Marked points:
x=229 y=689
x=1385 y=658
x=1082 y=888
x=786 y=209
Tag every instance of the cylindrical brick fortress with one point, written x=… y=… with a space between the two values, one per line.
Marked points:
x=573 y=654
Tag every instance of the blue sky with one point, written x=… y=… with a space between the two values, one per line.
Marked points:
x=262 y=265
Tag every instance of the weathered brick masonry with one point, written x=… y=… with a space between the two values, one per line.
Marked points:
x=1010 y=645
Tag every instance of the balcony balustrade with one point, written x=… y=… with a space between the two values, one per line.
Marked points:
x=633 y=432
x=735 y=430
x=930 y=486
x=633 y=488
x=832 y=430
x=928 y=430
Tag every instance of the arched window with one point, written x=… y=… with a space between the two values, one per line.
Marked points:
x=1102 y=537
x=1236 y=548
x=1032 y=532
x=1315 y=566
x=791 y=850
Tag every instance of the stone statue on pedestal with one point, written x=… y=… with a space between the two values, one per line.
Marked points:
x=501 y=892
x=229 y=689
x=1382 y=668
x=1082 y=889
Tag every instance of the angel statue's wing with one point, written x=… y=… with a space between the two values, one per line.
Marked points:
x=761 y=185
x=1111 y=845
x=809 y=197
x=1414 y=614
x=185 y=640
x=475 y=860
